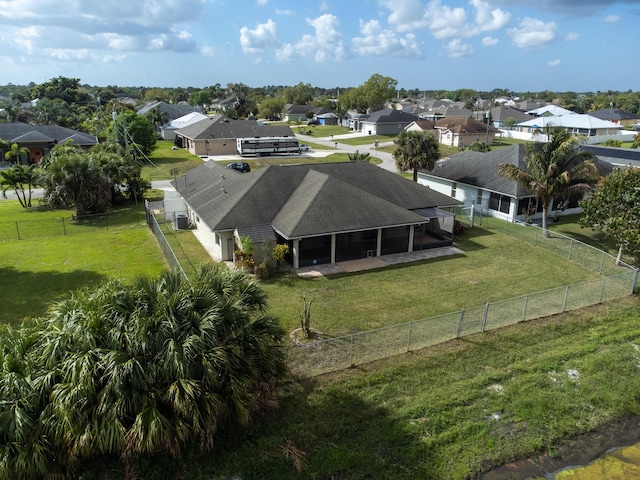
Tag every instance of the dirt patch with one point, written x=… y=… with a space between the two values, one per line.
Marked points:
x=578 y=451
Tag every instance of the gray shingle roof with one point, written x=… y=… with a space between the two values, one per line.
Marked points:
x=390 y=115
x=220 y=126
x=18 y=132
x=305 y=200
x=481 y=169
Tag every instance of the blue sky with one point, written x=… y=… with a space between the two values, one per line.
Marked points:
x=558 y=45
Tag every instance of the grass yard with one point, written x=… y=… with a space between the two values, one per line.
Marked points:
x=448 y=412
x=42 y=268
x=349 y=303
x=167 y=160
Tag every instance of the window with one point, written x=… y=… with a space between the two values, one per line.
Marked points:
x=218 y=240
x=454 y=187
x=479 y=199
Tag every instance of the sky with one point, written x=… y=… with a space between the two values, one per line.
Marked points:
x=557 y=45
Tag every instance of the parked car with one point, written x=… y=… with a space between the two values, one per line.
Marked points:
x=241 y=167
x=313 y=122
x=304 y=148
x=274 y=118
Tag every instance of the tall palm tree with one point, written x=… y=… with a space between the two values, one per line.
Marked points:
x=556 y=169
x=415 y=151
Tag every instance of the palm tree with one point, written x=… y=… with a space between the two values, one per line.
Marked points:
x=153 y=367
x=416 y=150
x=357 y=156
x=16 y=153
x=556 y=169
x=21 y=179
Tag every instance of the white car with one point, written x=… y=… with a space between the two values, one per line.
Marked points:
x=304 y=148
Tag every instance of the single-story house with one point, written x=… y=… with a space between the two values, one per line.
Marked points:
x=576 y=123
x=294 y=113
x=387 y=121
x=40 y=139
x=422 y=126
x=326 y=213
x=463 y=131
x=217 y=135
x=327 y=118
x=615 y=115
x=168 y=130
x=500 y=116
x=549 y=110
x=472 y=178
x=170 y=111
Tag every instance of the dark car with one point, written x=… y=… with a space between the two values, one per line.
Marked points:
x=274 y=118
x=240 y=166
x=313 y=122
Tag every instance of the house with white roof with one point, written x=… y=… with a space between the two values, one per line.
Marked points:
x=168 y=130
x=576 y=123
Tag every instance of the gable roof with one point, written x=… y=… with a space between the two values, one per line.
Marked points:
x=480 y=169
x=171 y=110
x=220 y=126
x=390 y=115
x=464 y=126
x=18 y=132
x=503 y=112
x=185 y=120
x=614 y=114
x=574 y=120
x=306 y=200
x=550 y=110
x=292 y=109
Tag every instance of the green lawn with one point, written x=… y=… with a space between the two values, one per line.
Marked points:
x=167 y=160
x=47 y=264
x=447 y=412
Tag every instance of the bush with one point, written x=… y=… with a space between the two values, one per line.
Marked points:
x=264 y=270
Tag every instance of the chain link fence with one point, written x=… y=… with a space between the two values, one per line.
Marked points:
x=167 y=251
x=617 y=281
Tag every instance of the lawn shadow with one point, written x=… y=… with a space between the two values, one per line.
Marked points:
x=29 y=294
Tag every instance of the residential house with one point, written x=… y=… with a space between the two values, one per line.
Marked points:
x=422 y=126
x=576 y=123
x=472 y=178
x=217 y=135
x=294 y=113
x=615 y=115
x=40 y=139
x=502 y=116
x=463 y=131
x=169 y=111
x=327 y=118
x=326 y=213
x=549 y=110
x=168 y=130
x=387 y=121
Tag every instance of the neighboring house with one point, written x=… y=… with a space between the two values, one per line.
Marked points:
x=550 y=110
x=326 y=213
x=615 y=115
x=621 y=157
x=422 y=126
x=527 y=105
x=503 y=113
x=327 y=118
x=576 y=123
x=472 y=178
x=387 y=121
x=171 y=111
x=217 y=135
x=40 y=139
x=168 y=130
x=294 y=113
x=446 y=112
x=463 y=131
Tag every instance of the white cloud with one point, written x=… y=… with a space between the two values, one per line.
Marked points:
x=261 y=3
x=489 y=41
x=556 y=62
x=326 y=44
x=280 y=11
x=533 y=33
x=407 y=15
x=455 y=48
x=571 y=36
x=444 y=21
x=611 y=19
x=377 y=41
x=264 y=36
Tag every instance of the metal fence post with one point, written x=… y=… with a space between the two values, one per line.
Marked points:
x=409 y=336
x=570 y=248
x=351 y=351
x=460 y=323
x=566 y=294
x=484 y=317
x=524 y=307
x=602 y=289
